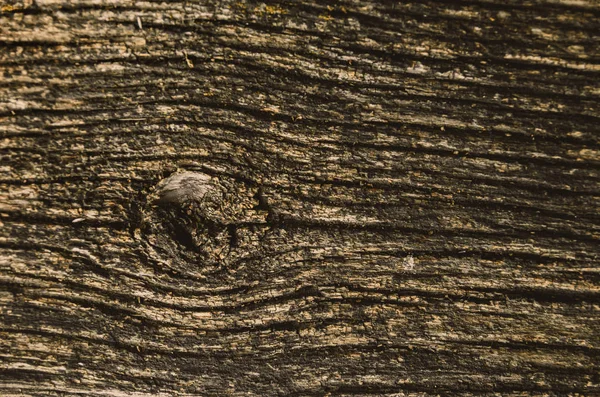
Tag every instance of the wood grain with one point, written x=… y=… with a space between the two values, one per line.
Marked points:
x=404 y=198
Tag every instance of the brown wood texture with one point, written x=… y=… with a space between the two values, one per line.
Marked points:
x=347 y=198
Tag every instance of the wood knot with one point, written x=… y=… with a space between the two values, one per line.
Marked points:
x=194 y=220
x=201 y=196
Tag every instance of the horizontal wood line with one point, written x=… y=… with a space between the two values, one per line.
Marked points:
x=402 y=57
x=463 y=387
x=466 y=100
x=535 y=293
x=433 y=346
x=507 y=254
x=462 y=203
x=401 y=93
x=514 y=183
x=253 y=300
x=506 y=88
x=507 y=157
x=442 y=153
x=53 y=388
x=504 y=157
x=61 y=179
x=379 y=32
x=41 y=218
x=339 y=388
x=34 y=42
x=289 y=220
x=297 y=74
x=263 y=115
x=544 y=7
x=207 y=353
x=528 y=263
x=480 y=186
x=365 y=18
x=119 y=345
x=479 y=236
x=63 y=112
x=367 y=23
x=346 y=40
x=386 y=55
x=390 y=128
x=521 y=64
x=386 y=296
x=373 y=183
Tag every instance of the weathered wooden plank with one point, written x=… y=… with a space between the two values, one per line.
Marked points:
x=366 y=198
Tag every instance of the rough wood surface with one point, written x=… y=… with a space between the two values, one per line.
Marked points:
x=299 y=198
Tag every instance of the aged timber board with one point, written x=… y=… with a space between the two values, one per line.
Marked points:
x=212 y=198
